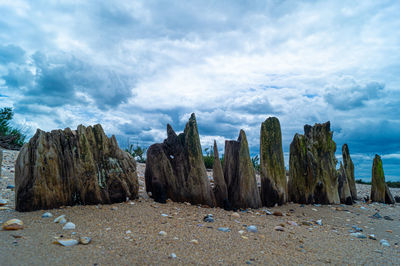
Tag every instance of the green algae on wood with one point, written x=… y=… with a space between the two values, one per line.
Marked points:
x=273 y=174
x=379 y=190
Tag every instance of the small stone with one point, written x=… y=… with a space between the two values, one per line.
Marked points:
x=162 y=233
x=279 y=228
x=13 y=224
x=209 y=218
x=172 y=256
x=306 y=223
x=372 y=236
x=267 y=212
x=388 y=218
x=47 y=215
x=292 y=223
x=69 y=226
x=114 y=208
x=384 y=243
x=164 y=215
x=84 y=240
x=224 y=229
x=252 y=229
x=277 y=213
x=128 y=232
x=319 y=222
x=235 y=215
x=194 y=241
x=241 y=232
x=314 y=209
x=10 y=186
x=376 y=216
x=358 y=235
x=244 y=237
x=389 y=231
x=397 y=199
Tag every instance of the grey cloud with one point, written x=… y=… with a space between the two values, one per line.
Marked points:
x=350 y=97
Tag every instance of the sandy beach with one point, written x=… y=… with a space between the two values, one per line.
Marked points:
x=129 y=233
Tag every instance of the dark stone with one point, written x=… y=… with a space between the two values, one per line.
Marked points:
x=312 y=166
x=66 y=167
x=272 y=167
x=239 y=174
x=220 y=189
x=397 y=199
x=379 y=190
x=175 y=169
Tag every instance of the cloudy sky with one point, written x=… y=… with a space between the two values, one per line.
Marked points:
x=135 y=66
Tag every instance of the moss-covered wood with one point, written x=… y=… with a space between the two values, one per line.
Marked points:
x=239 y=174
x=312 y=166
x=66 y=167
x=344 y=189
x=379 y=190
x=349 y=170
x=220 y=189
x=175 y=168
x=272 y=167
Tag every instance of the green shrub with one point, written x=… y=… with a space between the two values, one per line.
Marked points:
x=137 y=152
x=9 y=135
x=209 y=157
x=256 y=163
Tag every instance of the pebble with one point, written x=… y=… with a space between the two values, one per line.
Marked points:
x=319 y=222
x=10 y=186
x=267 y=212
x=358 y=235
x=13 y=224
x=292 y=223
x=69 y=226
x=388 y=218
x=114 y=208
x=276 y=213
x=357 y=229
x=279 y=228
x=384 y=243
x=376 y=216
x=66 y=242
x=372 y=236
x=84 y=240
x=235 y=215
x=252 y=229
x=172 y=256
x=224 y=229
x=60 y=219
x=306 y=223
x=209 y=218
x=47 y=215
x=162 y=233
x=164 y=215
x=194 y=241
x=128 y=232
x=241 y=232
x=314 y=209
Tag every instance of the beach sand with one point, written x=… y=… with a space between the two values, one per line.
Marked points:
x=128 y=233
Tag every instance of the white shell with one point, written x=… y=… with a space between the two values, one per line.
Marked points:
x=66 y=242
x=13 y=224
x=69 y=226
x=60 y=218
x=3 y=202
x=47 y=215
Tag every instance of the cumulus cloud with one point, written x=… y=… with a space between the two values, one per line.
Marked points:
x=352 y=95
x=136 y=66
